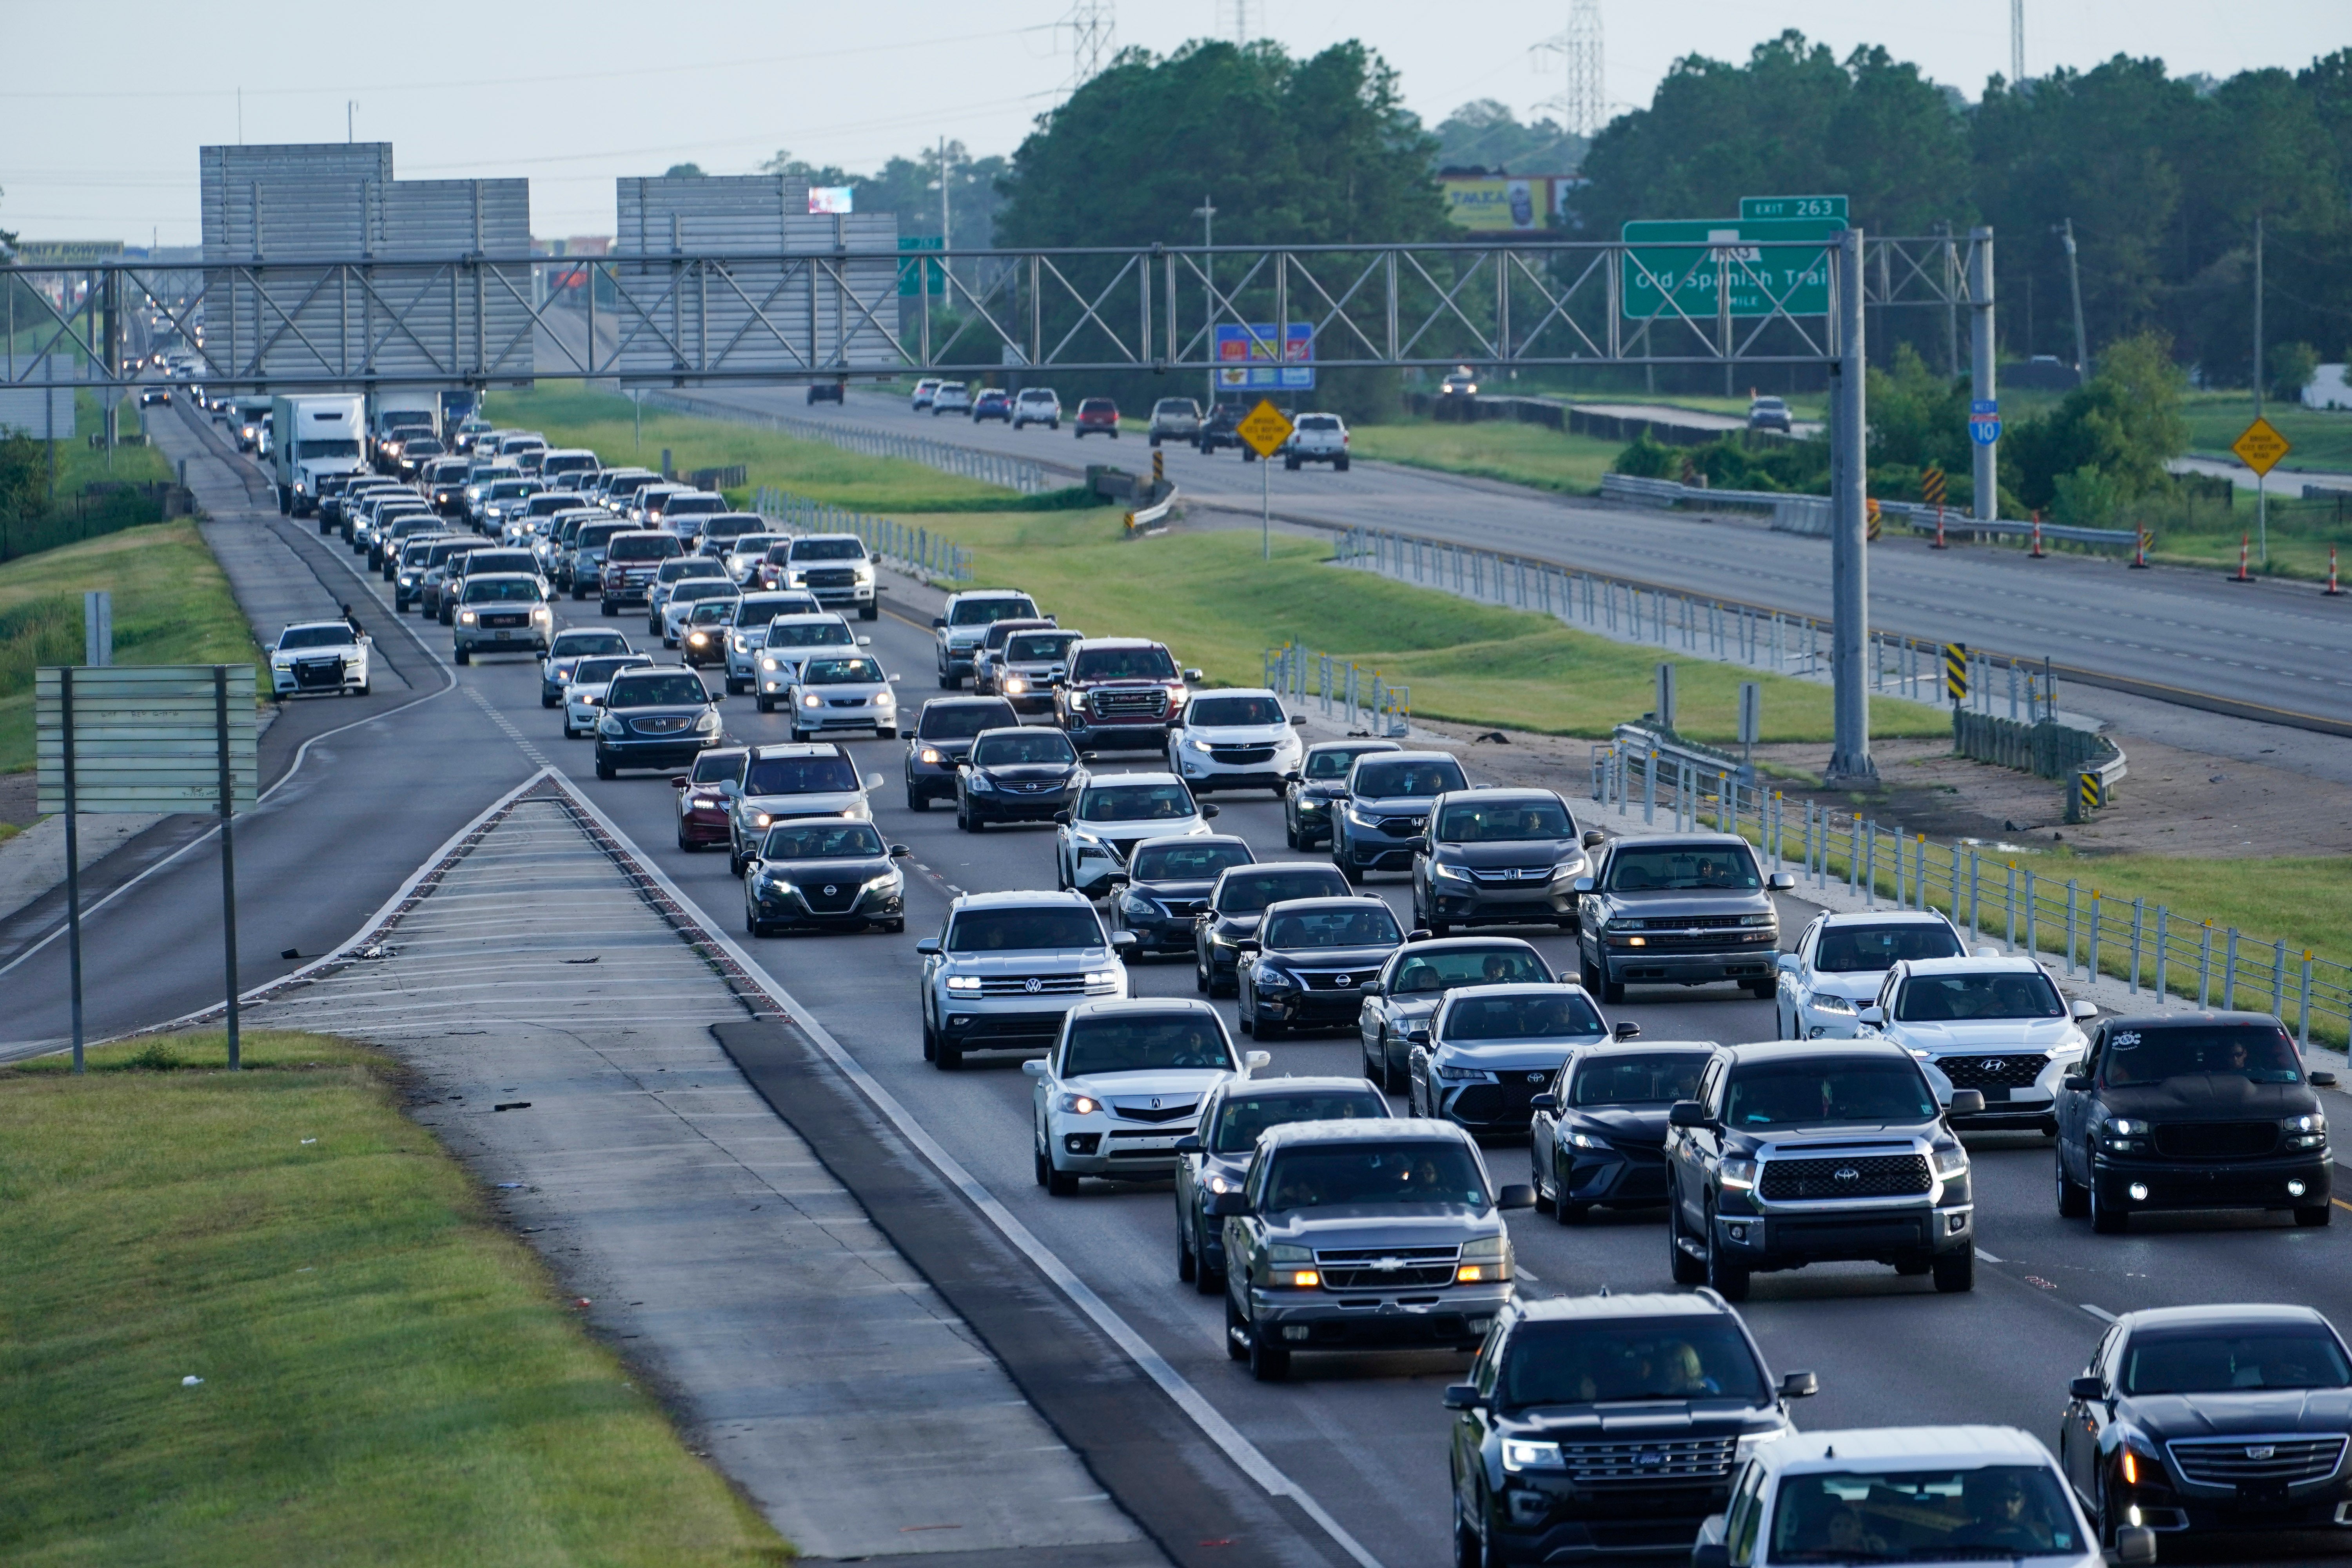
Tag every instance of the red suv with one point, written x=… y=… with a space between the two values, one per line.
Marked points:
x=631 y=562
x=1120 y=691
x=1098 y=416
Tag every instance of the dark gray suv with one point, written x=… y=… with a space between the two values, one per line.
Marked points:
x=1493 y=857
x=1684 y=908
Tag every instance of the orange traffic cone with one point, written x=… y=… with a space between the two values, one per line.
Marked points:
x=2243 y=575
x=2036 y=552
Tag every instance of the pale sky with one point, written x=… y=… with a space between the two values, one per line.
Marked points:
x=575 y=94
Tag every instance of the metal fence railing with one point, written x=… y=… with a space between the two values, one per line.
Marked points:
x=989 y=467
x=1349 y=693
x=1991 y=896
x=915 y=551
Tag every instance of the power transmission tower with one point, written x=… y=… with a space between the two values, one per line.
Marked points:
x=1093 y=29
x=1241 y=20
x=2016 y=42
x=1584 y=105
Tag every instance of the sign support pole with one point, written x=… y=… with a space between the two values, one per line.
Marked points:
x=228 y=854
x=73 y=862
x=1986 y=499
x=1266 y=505
x=1850 y=759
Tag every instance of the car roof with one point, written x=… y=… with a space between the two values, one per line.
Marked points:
x=1886 y=918
x=932 y=703
x=2208 y=1017
x=988 y=593
x=808 y=617
x=1144 y=778
x=1360 y=743
x=810 y=538
x=1029 y=898
x=1642 y=1048
x=1817 y=1050
x=797 y=749
x=1911 y=1447
x=2016 y=965
x=1242 y=691
x=1513 y=988
x=1197 y=840
x=1505 y=793
x=2223 y=1314
x=1278 y=865
x=1425 y=755
x=1145 y=1005
x=306 y=625
x=1669 y=840
x=1333 y=901
x=501 y=577
x=1305 y=1084
x=1385 y=1129
x=1089 y=644
x=1430 y=944
x=1633 y=1304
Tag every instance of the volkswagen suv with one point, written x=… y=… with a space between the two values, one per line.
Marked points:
x=1004 y=969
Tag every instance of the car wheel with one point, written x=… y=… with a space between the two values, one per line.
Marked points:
x=1612 y=991
x=947 y=1057
x=1338 y=465
x=1045 y=1166
x=1200 y=974
x=1957 y=1271
x=736 y=688
x=799 y=735
x=930 y=1042
x=607 y=608
x=2073 y=1198
x=917 y=800
x=546 y=701
x=1227 y=985
x=1438 y=927
x=1290 y=833
x=1760 y=989
x=1266 y=1030
x=1208 y=1281
x=764 y=703
x=605 y=770
x=1059 y=1183
x=1727 y=1278
x=465 y=657
x=1346 y=863
x=1563 y=1211
x=1681 y=1265
x=1236 y=1332
x=2107 y=1219
x=2313 y=1215
x=1268 y=1361
x=751 y=927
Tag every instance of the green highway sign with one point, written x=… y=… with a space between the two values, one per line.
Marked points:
x=1684 y=258
x=918 y=276
x=1754 y=207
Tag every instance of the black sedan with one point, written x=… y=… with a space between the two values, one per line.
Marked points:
x=660 y=718
x=941 y=741
x=1237 y=902
x=1402 y=996
x=2216 y=1419
x=2193 y=1111
x=825 y=871
x=1599 y=1133
x=1166 y=887
x=1022 y=773
x=1307 y=967
x=1312 y=794
x=1214 y=1159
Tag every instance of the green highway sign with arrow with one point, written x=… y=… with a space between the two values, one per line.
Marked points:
x=1685 y=258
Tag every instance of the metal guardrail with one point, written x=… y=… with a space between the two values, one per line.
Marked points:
x=1153 y=518
x=1809 y=514
x=1344 y=689
x=915 y=551
x=965 y=462
x=1991 y=895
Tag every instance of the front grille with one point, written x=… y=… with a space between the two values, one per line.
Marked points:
x=318 y=674
x=2215 y=1139
x=1863 y=1176
x=1327 y=1257
x=1031 y=986
x=1683 y=922
x=1403 y=827
x=495 y=621
x=1679 y=1460
x=1404 y=1276
x=832 y=577
x=660 y=724
x=1504 y=1102
x=1517 y=876
x=1241 y=754
x=1335 y=980
x=844 y=702
x=1993 y=1072
x=1148 y=703
x=1183 y=909
x=829 y=898
x=2256 y=1460
x=1035 y=786
x=1137 y=1110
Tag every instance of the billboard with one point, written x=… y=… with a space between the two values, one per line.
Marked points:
x=831 y=198
x=1499 y=204
x=1245 y=361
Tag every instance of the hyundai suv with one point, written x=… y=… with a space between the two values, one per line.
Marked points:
x=1380 y=823
x=1234 y=739
x=1685 y=908
x=1996 y=1025
x=1120 y=691
x=1004 y=969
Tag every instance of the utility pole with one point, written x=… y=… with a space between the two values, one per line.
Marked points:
x=348 y=107
x=1207 y=212
x=2016 y=42
x=1986 y=469
x=2074 y=283
x=2258 y=315
x=1850 y=759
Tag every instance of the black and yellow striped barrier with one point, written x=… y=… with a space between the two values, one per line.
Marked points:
x=1956 y=671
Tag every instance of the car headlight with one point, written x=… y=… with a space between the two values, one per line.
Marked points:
x=886 y=699
x=811 y=699
x=1452 y=1073
x=1739 y=1173
x=885 y=883
x=1102 y=982
x=541 y=613
x=2128 y=1127
x=742 y=645
x=1269 y=978
x=467 y=617
x=2304 y=1131
x=1194 y=744
x=1014 y=685
x=705 y=802
x=770 y=664
x=979 y=781
x=1136 y=907
x=1574 y=866
x=1176 y=695
x=1519 y=1454
x=1583 y=1140
x=1824 y=1003
x=1356 y=816
x=963 y=982
x=708 y=722
x=1080 y=1104
x=1451 y=873
x=1765 y=919
x=610 y=724
x=1951 y=1164
x=1283 y=1252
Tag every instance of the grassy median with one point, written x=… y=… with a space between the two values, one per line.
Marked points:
x=1531 y=454
x=388 y=1377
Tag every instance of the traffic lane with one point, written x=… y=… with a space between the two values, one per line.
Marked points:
x=2264 y=643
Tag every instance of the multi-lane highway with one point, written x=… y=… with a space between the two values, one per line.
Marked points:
x=2257 y=646
x=1365 y=1437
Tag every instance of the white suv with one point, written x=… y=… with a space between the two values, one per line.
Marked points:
x=1842 y=959
x=1114 y=813
x=1123 y=1083
x=1005 y=967
x=1318 y=438
x=925 y=390
x=952 y=397
x=1234 y=739
x=1037 y=406
x=1996 y=1025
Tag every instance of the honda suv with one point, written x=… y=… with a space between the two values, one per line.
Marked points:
x=1499 y=856
x=1120 y=691
x=1004 y=969
x=1380 y=823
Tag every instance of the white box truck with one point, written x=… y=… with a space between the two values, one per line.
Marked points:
x=313 y=437
x=398 y=415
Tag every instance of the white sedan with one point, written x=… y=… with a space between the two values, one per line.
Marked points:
x=1113 y=815
x=1839 y=962
x=1123 y=1082
x=840 y=691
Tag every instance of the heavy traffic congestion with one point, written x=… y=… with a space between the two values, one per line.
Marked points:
x=1571 y=1161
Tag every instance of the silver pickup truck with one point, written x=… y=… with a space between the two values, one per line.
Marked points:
x=1174 y=419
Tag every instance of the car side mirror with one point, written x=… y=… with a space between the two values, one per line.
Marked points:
x=1122 y=941
x=1253 y=1060
x=1416 y=1037
x=678 y=781
x=1967 y=1102
x=1372 y=988
x=1034 y=1067
x=1687 y=1113
x=1118 y=879
x=1583 y=884
x=1247 y=945
x=1189 y=1144
x=1628 y=1030
x=939 y=622
x=1785 y=963
x=928 y=947
x=1518 y=1195
x=1298 y=721
x=1292 y=776
x=2083 y=1010
x=1061 y=819
x=1225 y=1206
x=1595 y=838
x=2087 y=1389
x=1870 y=1014
x=1543 y=1102
x=1462 y=1396
x=865 y=642
x=2320 y=1079
x=1782 y=882
x=1207 y=812
x=1800 y=1385
x=1194 y=675
x=899 y=852
x=1419 y=934
x=2134 y=1546
x=2079 y=1083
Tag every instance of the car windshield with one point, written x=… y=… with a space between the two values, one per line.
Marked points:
x=1186 y=860
x=1233 y=712
x=1243 y=1117
x=336 y=636
x=962 y=721
x=712 y=766
x=1029 y=746
x=1023 y=931
x=1357 y=925
x=980 y=612
x=1420 y=777
x=1606 y=1362
x=751 y=544
x=1420 y=1172
x=1150 y=663
x=1523 y=1017
x=1038 y=649
x=692 y=573
x=1135 y=802
x=715 y=610
x=1429 y=973
x=1333 y=761
x=1250 y=891
x=508 y=490
x=2216 y=1361
x=801 y=775
x=1659 y=1079
x=1123 y=1042
x=1778 y=1094
x=759 y=612
x=572 y=643
x=1683 y=868
x=657 y=690
x=1970 y=998
x=2258 y=1053
x=596 y=672
x=828 y=550
x=831 y=841
x=829 y=634
x=1931 y=1516
x=841 y=672
x=1847 y=950
x=497 y=591
x=1504 y=822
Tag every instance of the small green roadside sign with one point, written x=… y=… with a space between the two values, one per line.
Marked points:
x=919 y=275
x=1753 y=208
x=1684 y=258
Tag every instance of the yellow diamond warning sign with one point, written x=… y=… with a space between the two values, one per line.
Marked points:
x=1265 y=427
x=2261 y=446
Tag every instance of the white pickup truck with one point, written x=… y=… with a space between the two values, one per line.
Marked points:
x=1317 y=438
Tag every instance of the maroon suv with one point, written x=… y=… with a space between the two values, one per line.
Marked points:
x=631 y=562
x=1119 y=691
x=1098 y=416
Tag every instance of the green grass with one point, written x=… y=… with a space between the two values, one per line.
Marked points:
x=389 y=1377
x=1518 y=454
x=2320 y=439
x=172 y=606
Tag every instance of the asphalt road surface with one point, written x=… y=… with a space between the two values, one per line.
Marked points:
x=1365 y=1436
x=2262 y=645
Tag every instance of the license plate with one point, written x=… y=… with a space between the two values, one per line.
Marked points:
x=1148 y=1145
x=1997 y=1095
x=503 y=634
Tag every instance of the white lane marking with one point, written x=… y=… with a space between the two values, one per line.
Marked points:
x=2099 y=1313
x=1984 y=1256
x=1205 y=1416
